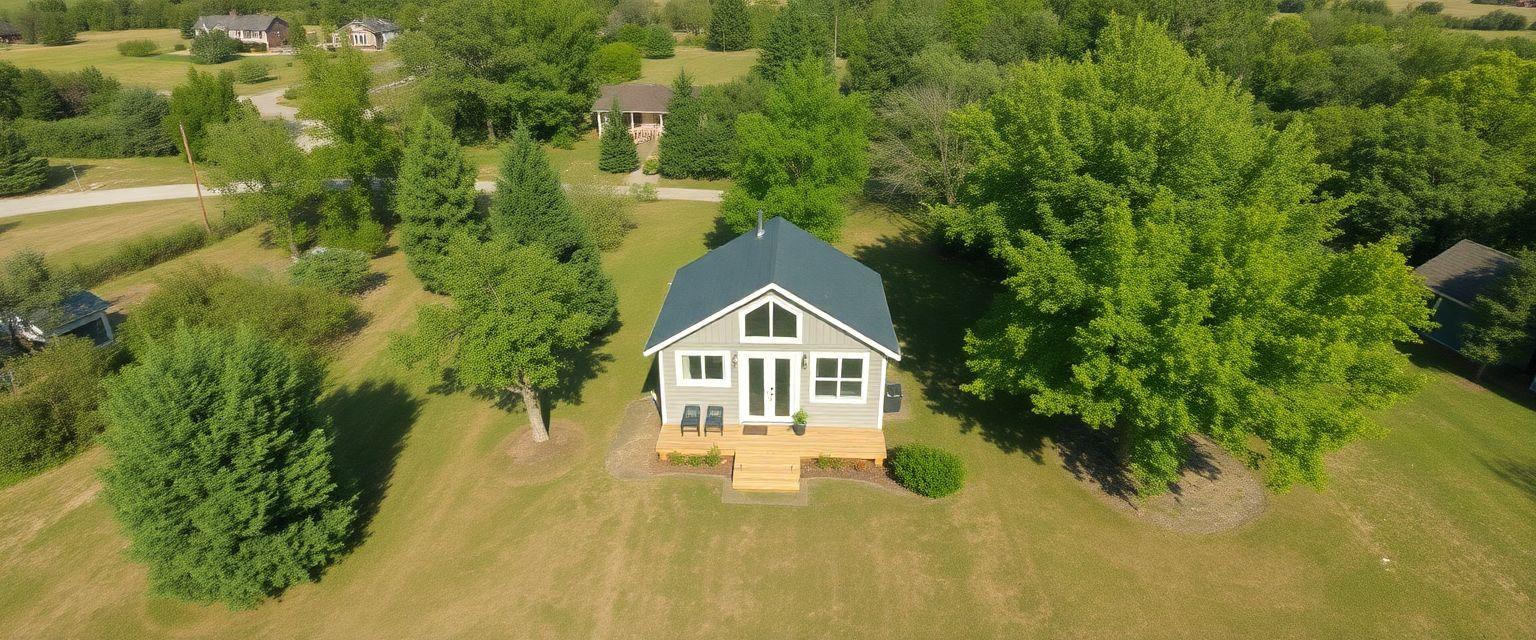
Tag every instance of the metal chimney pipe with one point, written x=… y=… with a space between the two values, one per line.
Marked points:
x=759 y=223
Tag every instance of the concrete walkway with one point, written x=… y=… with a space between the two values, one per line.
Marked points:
x=75 y=200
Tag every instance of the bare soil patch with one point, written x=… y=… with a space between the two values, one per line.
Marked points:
x=632 y=454
x=1215 y=494
x=540 y=462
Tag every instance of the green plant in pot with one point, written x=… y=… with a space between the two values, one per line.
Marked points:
x=799 y=419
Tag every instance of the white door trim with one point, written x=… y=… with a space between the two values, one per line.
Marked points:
x=769 y=375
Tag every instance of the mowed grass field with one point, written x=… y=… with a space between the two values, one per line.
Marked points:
x=1463 y=8
x=68 y=175
x=161 y=72
x=1425 y=533
x=81 y=235
x=703 y=65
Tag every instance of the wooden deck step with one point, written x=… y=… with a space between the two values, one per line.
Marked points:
x=765 y=471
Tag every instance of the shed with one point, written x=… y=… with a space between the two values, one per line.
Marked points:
x=81 y=314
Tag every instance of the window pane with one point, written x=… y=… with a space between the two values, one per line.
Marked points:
x=850 y=389
x=693 y=367
x=826 y=367
x=714 y=367
x=853 y=368
x=826 y=388
x=756 y=386
x=781 y=389
x=757 y=322
x=783 y=322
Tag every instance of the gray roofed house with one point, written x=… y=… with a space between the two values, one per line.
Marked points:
x=9 y=33
x=1457 y=276
x=366 y=33
x=268 y=31
x=81 y=313
x=769 y=325
x=644 y=107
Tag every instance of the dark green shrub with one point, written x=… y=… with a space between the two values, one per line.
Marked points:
x=251 y=71
x=140 y=253
x=616 y=62
x=710 y=459
x=928 y=471
x=137 y=48
x=606 y=215
x=211 y=296
x=51 y=412
x=658 y=42
x=20 y=170
x=179 y=47
x=214 y=47
x=340 y=270
x=93 y=136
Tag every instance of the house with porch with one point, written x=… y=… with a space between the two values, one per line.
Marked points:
x=371 y=34
x=266 y=31
x=1457 y=277
x=774 y=328
x=643 y=108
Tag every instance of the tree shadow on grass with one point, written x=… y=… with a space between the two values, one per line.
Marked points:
x=1519 y=474
x=586 y=364
x=936 y=293
x=1507 y=382
x=371 y=421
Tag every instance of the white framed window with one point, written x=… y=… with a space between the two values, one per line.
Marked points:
x=359 y=39
x=839 y=377
x=771 y=321
x=703 y=369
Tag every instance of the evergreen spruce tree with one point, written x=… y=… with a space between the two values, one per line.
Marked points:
x=434 y=196
x=797 y=33
x=730 y=28
x=678 y=147
x=221 y=466
x=20 y=172
x=616 y=152
x=529 y=207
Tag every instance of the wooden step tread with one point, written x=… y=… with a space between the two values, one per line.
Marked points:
x=766 y=471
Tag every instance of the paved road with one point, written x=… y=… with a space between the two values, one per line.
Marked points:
x=75 y=200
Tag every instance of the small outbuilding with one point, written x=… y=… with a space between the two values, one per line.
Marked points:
x=9 y=33
x=82 y=314
x=267 y=31
x=1457 y=277
x=366 y=33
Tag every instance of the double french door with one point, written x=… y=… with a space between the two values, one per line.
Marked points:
x=770 y=386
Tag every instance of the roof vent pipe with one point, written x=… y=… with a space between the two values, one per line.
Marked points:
x=759 y=223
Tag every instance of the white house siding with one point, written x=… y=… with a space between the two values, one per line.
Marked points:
x=724 y=334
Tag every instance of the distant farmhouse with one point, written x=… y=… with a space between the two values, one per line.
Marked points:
x=9 y=33
x=366 y=33
x=1457 y=276
x=643 y=108
x=267 y=31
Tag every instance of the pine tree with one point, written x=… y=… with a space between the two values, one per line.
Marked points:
x=797 y=33
x=435 y=198
x=730 y=29
x=221 y=466
x=679 y=143
x=20 y=172
x=616 y=153
x=530 y=207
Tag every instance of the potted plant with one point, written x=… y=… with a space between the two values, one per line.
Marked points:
x=799 y=424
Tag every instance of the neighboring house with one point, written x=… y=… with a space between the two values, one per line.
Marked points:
x=366 y=33
x=81 y=314
x=268 y=31
x=774 y=322
x=9 y=33
x=643 y=106
x=1457 y=276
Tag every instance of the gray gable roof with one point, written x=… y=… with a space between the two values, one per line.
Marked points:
x=787 y=256
x=1465 y=270
x=376 y=25
x=238 y=23
x=634 y=96
x=9 y=30
x=73 y=307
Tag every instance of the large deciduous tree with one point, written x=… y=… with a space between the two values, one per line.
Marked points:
x=803 y=156
x=435 y=198
x=486 y=67
x=1168 y=267
x=221 y=468
x=530 y=207
x=514 y=325
x=730 y=28
x=265 y=174
x=916 y=152
x=206 y=99
x=797 y=33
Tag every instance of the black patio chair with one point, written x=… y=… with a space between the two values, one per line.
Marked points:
x=690 y=419
x=715 y=419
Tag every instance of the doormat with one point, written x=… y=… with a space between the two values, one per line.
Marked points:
x=754 y=429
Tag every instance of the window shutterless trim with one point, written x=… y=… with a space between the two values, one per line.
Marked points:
x=840 y=356
x=682 y=369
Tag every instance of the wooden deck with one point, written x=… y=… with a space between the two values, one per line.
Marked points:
x=771 y=462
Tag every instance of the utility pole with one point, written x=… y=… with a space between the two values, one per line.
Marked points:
x=195 y=180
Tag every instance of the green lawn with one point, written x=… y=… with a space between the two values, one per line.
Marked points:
x=705 y=66
x=67 y=175
x=82 y=235
x=461 y=545
x=577 y=165
x=162 y=72
x=1463 y=8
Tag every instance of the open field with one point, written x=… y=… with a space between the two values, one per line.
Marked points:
x=1463 y=8
x=577 y=165
x=160 y=72
x=462 y=545
x=705 y=66
x=81 y=235
x=113 y=173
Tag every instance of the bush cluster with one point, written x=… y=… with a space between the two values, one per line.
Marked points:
x=129 y=123
x=210 y=296
x=342 y=271
x=214 y=47
x=50 y=413
x=251 y=71
x=710 y=459
x=653 y=41
x=607 y=216
x=928 y=471
x=137 y=48
x=140 y=253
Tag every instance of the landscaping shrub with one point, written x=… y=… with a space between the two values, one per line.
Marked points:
x=179 y=47
x=137 y=48
x=824 y=461
x=340 y=270
x=251 y=71
x=51 y=412
x=616 y=62
x=137 y=254
x=607 y=216
x=207 y=295
x=214 y=47
x=658 y=42
x=928 y=471
x=644 y=192
x=651 y=167
x=710 y=459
